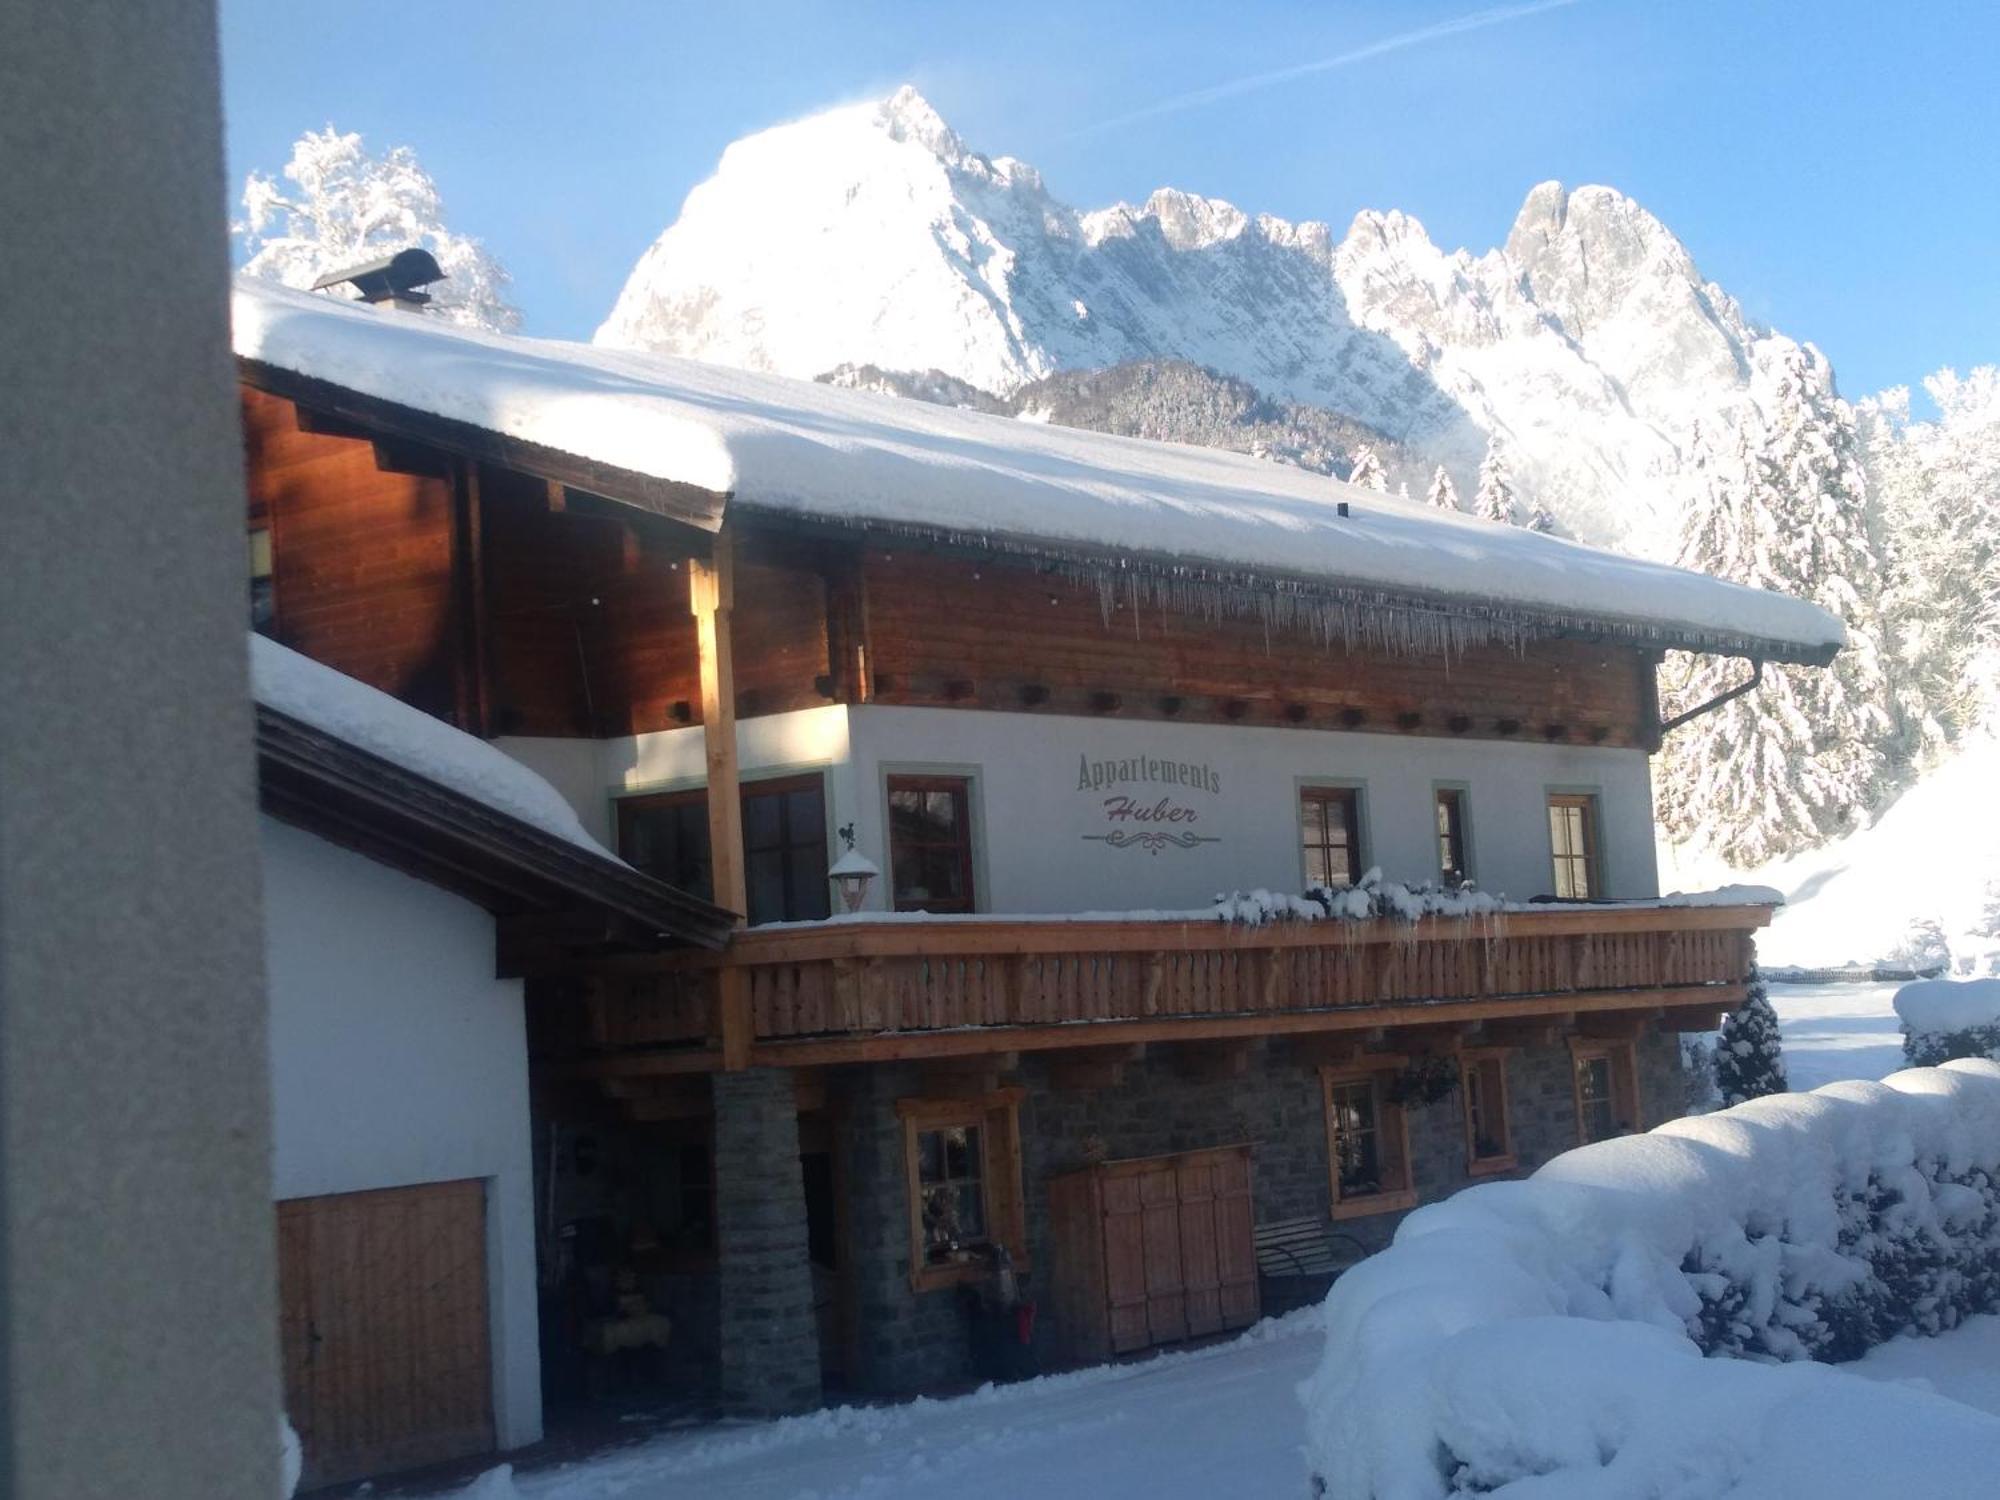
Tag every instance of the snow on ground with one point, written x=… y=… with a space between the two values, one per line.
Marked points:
x=1834 y=1031
x=1193 y=1425
x=1929 y=857
x=1963 y=1364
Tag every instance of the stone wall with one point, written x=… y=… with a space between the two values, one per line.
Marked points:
x=902 y=1340
x=770 y=1345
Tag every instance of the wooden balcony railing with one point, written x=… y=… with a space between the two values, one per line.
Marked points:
x=853 y=990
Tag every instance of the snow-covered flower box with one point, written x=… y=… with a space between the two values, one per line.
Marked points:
x=1546 y=1337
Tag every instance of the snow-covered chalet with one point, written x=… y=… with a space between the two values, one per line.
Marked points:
x=1157 y=869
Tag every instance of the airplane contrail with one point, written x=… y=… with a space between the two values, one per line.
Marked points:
x=1476 y=20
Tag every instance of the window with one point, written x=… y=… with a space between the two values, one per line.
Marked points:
x=784 y=850
x=1573 y=843
x=1330 y=829
x=784 y=845
x=1489 y=1140
x=930 y=843
x=1606 y=1090
x=1452 y=868
x=963 y=1164
x=1367 y=1145
x=263 y=596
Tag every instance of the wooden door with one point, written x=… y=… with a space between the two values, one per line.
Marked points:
x=1200 y=1262
x=1125 y=1262
x=1166 y=1282
x=1235 y=1239
x=383 y=1321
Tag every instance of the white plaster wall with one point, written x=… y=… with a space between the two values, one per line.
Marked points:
x=397 y=1059
x=1031 y=818
x=593 y=774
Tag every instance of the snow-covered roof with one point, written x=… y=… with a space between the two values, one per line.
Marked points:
x=336 y=704
x=827 y=455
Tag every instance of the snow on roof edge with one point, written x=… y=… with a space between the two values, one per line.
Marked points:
x=351 y=711
x=860 y=459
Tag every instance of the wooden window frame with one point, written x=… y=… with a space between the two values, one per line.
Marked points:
x=1354 y=795
x=998 y=1117
x=1623 y=1060
x=961 y=785
x=1592 y=854
x=776 y=785
x=1392 y=1126
x=1461 y=798
x=1470 y=1060
x=268 y=626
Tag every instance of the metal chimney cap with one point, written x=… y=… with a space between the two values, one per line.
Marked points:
x=393 y=276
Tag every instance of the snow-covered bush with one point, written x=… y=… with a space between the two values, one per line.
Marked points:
x=1749 y=1054
x=1945 y=1019
x=1699 y=1093
x=1546 y=1336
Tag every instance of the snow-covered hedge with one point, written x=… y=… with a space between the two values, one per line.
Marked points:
x=1546 y=1337
x=1946 y=1018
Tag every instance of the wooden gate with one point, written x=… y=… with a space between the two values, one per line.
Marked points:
x=1154 y=1251
x=383 y=1321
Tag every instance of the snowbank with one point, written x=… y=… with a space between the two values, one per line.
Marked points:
x=853 y=456
x=1920 y=884
x=1948 y=1004
x=1545 y=1337
x=335 y=703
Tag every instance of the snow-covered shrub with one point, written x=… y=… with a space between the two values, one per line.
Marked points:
x=1922 y=949
x=1749 y=1054
x=1945 y=1019
x=1546 y=1336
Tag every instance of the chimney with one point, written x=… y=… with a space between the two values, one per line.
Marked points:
x=393 y=279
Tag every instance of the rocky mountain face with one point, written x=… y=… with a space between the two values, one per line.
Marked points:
x=1587 y=348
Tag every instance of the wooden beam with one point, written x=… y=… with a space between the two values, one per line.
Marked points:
x=712 y=597
x=472 y=682
x=905 y=1045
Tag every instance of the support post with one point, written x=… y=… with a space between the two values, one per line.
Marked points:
x=712 y=597
x=770 y=1336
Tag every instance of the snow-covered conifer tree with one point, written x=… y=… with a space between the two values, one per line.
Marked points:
x=1749 y=1054
x=1494 y=500
x=340 y=205
x=1443 y=493
x=1542 y=519
x=1368 y=471
x=1786 y=509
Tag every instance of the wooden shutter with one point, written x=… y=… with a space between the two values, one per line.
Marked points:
x=383 y=1304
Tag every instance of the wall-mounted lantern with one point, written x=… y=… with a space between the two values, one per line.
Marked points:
x=852 y=872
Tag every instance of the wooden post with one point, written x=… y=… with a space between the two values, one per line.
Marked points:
x=472 y=692
x=712 y=597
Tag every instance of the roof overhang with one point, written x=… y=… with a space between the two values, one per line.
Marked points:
x=684 y=504
x=1355 y=612
x=555 y=900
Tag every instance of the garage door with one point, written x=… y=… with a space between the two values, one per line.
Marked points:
x=383 y=1317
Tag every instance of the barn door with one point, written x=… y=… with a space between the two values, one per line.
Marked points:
x=384 y=1331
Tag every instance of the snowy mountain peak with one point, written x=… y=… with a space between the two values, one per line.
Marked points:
x=872 y=235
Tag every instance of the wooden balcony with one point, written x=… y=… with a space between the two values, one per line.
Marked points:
x=870 y=990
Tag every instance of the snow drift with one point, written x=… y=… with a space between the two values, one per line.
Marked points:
x=1545 y=1337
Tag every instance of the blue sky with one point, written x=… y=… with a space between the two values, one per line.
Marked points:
x=1831 y=164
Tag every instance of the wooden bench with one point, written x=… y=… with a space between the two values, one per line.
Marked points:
x=1298 y=1259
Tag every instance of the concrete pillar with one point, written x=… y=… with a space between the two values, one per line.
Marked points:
x=138 y=1324
x=770 y=1341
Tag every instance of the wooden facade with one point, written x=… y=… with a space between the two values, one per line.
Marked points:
x=510 y=605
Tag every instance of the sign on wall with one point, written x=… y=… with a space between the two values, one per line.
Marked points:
x=1148 y=803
